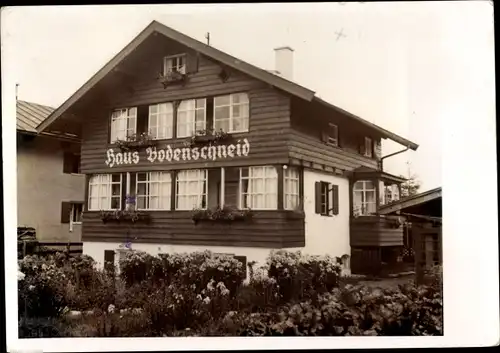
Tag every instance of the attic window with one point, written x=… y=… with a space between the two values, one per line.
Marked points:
x=175 y=63
x=368 y=147
x=333 y=135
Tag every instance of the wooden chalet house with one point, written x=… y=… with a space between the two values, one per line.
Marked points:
x=186 y=148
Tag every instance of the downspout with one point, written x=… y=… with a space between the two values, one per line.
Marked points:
x=390 y=155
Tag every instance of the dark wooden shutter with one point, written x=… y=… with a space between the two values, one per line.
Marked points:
x=324 y=136
x=68 y=162
x=65 y=212
x=192 y=62
x=317 y=196
x=335 y=199
x=362 y=147
x=109 y=261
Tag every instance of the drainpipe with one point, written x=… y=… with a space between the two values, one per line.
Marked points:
x=390 y=155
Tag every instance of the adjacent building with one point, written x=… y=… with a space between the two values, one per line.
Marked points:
x=50 y=187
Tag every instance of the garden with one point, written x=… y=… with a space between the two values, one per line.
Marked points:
x=206 y=294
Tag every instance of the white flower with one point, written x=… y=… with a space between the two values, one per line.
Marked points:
x=31 y=287
x=111 y=308
x=44 y=267
x=206 y=300
x=20 y=276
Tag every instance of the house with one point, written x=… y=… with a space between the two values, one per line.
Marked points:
x=422 y=214
x=50 y=188
x=171 y=124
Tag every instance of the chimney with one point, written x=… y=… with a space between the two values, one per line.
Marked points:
x=284 y=62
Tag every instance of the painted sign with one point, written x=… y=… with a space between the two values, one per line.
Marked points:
x=169 y=154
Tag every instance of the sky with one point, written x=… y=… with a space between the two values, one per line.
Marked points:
x=399 y=65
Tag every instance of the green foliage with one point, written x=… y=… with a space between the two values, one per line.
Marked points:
x=410 y=187
x=203 y=294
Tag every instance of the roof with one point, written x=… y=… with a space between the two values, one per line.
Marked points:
x=371 y=172
x=30 y=115
x=411 y=201
x=226 y=59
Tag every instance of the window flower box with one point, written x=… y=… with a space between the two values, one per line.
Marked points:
x=224 y=214
x=208 y=136
x=124 y=216
x=136 y=142
x=171 y=77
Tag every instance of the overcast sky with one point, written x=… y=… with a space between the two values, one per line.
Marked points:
x=403 y=66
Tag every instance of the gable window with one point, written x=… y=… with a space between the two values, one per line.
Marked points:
x=71 y=163
x=367 y=147
x=291 y=188
x=231 y=113
x=153 y=190
x=364 y=201
x=333 y=135
x=259 y=188
x=191 y=117
x=105 y=192
x=175 y=63
x=123 y=123
x=191 y=189
x=161 y=120
x=326 y=198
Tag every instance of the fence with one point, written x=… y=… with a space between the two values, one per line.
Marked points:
x=30 y=247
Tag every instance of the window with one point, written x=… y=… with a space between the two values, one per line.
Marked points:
x=231 y=113
x=333 y=135
x=105 y=192
x=291 y=188
x=364 y=201
x=327 y=198
x=123 y=123
x=259 y=188
x=153 y=190
x=175 y=63
x=191 y=189
x=76 y=213
x=191 y=117
x=71 y=163
x=368 y=147
x=161 y=120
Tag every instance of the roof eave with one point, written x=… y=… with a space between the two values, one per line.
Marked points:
x=275 y=81
x=383 y=132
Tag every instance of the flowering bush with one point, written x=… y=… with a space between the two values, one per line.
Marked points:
x=224 y=214
x=301 y=276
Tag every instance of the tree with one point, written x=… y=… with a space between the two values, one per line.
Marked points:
x=410 y=187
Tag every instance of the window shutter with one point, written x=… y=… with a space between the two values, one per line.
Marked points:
x=243 y=260
x=192 y=62
x=65 y=212
x=317 y=198
x=335 y=206
x=67 y=162
x=109 y=261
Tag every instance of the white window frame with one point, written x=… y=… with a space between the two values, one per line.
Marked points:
x=364 y=190
x=190 y=108
x=251 y=175
x=72 y=215
x=98 y=180
x=192 y=176
x=231 y=105
x=164 y=121
x=122 y=116
x=168 y=63
x=288 y=181
x=368 y=147
x=333 y=140
x=154 y=178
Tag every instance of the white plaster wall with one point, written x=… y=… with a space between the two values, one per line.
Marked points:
x=326 y=235
x=96 y=250
x=42 y=187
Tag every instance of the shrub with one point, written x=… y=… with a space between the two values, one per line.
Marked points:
x=300 y=276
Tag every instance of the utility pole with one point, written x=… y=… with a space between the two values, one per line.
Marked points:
x=207 y=36
x=17 y=86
